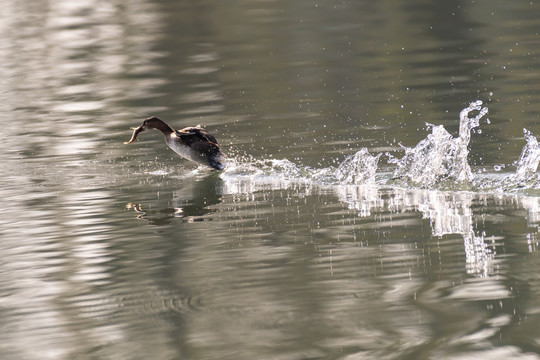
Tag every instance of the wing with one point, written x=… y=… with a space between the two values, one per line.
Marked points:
x=194 y=134
x=199 y=140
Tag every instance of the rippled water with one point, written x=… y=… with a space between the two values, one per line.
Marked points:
x=360 y=216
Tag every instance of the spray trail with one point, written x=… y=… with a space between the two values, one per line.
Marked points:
x=441 y=157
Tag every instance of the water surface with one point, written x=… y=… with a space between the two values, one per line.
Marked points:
x=310 y=245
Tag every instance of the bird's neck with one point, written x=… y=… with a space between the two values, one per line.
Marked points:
x=163 y=127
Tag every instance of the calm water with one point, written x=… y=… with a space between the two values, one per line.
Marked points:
x=110 y=251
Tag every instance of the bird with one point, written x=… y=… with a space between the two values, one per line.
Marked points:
x=193 y=143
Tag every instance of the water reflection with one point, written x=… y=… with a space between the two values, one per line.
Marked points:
x=447 y=212
x=190 y=203
x=376 y=230
x=276 y=259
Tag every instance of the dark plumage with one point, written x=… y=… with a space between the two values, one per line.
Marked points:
x=193 y=143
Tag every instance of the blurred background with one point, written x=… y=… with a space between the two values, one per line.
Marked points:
x=110 y=251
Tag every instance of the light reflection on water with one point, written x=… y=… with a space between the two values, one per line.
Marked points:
x=109 y=251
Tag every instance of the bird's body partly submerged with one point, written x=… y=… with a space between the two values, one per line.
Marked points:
x=193 y=143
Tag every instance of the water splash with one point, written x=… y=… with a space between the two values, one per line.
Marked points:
x=525 y=177
x=529 y=159
x=437 y=162
x=359 y=168
x=248 y=175
x=440 y=160
x=441 y=157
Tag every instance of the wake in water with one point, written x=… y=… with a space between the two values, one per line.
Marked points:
x=440 y=161
x=253 y=175
x=437 y=162
x=440 y=157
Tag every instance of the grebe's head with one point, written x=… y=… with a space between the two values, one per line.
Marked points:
x=152 y=122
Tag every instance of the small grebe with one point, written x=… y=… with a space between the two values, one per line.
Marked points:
x=192 y=143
